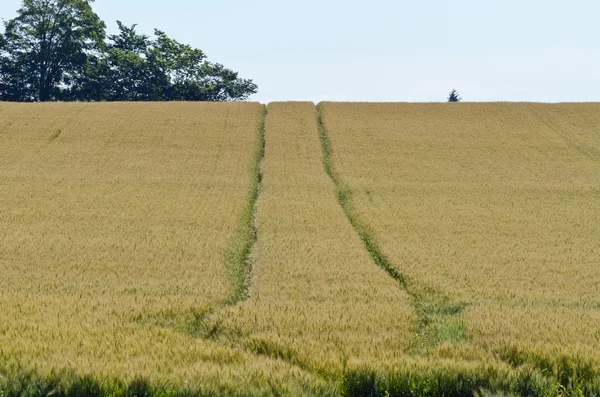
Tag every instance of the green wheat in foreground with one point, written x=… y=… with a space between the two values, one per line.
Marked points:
x=339 y=249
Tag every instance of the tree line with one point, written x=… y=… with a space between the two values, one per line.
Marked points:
x=58 y=50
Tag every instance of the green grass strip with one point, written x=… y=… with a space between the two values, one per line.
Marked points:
x=239 y=261
x=239 y=256
x=482 y=381
x=22 y=383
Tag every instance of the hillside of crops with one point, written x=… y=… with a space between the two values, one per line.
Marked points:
x=384 y=249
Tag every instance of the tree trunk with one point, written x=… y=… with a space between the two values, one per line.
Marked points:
x=44 y=92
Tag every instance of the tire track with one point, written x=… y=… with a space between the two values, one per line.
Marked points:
x=439 y=317
x=239 y=258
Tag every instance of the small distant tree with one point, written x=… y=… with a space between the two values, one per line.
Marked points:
x=454 y=96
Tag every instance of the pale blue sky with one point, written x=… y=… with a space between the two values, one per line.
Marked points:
x=383 y=50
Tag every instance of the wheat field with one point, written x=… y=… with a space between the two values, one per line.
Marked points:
x=496 y=206
x=385 y=249
x=317 y=300
x=116 y=222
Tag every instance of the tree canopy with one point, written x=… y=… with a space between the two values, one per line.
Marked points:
x=58 y=50
x=454 y=96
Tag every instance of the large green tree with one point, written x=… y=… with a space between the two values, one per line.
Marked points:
x=57 y=50
x=192 y=77
x=124 y=72
x=46 y=46
x=134 y=67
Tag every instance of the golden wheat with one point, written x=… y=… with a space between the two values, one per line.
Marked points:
x=115 y=225
x=317 y=299
x=495 y=205
x=119 y=222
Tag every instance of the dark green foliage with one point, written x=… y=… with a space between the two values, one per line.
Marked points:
x=46 y=46
x=526 y=381
x=66 y=384
x=85 y=386
x=571 y=373
x=135 y=68
x=359 y=383
x=56 y=50
x=139 y=388
x=454 y=96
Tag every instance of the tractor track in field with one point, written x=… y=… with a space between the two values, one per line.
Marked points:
x=239 y=260
x=240 y=264
x=239 y=257
x=439 y=317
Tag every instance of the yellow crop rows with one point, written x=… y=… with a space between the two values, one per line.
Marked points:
x=166 y=249
x=115 y=226
x=317 y=300
x=494 y=205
